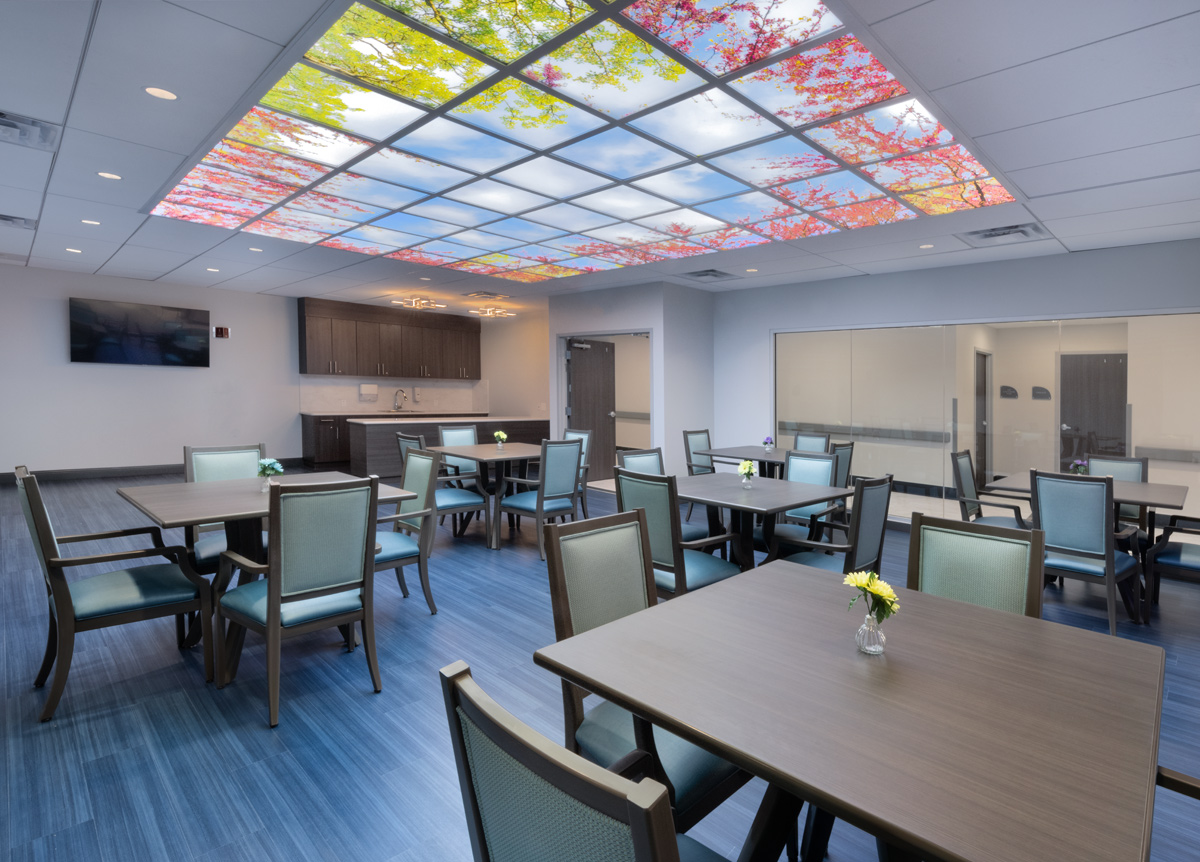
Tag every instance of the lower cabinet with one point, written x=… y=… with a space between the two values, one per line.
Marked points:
x=325 y=439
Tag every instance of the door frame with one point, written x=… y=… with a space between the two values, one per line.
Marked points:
x=988 y=465
x=560 y=420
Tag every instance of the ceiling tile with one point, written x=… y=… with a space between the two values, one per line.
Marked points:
x=240 y=247
x=65 y=216
x=1182 y=212
x=276 y=20
x=93 y=252
x=143 y=170
x=1027 y=31
x=134 y=259
x=877 y=10
x=263 y=278
x=1040 y=248
x=1117 y=127
x=1139 y=236
x=63 y=264
x=316 y=286
x=21 y=203
x=43 y=41
x=24 y=167
x=15 y=241
x=128 y=52
x=1139 y=193
x=897 y=250
x=181 y=236
x=198 y=272
x=1136 y=163
x=315 y=259
x=1079 y=80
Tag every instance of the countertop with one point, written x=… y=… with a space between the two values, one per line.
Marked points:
x=388 y=414
x=411 y=418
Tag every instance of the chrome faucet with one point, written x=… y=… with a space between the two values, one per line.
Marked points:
x=396 y=398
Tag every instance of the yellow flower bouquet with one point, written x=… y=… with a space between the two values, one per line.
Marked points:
x=880 y=597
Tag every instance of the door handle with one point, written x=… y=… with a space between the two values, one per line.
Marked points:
x=612 y=414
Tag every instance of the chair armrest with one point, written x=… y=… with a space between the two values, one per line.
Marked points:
x=1015 y=509
x=1177 y=781
x=1007 y=495
x=1127 y=533
x=154 y=532
x=1175 y=520
x=806 y=543
x=171 y=552
x=635 y=765
x=709 y=541
x=229 y=561
x=406 y=516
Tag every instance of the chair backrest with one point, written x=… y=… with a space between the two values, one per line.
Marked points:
x=560 y=468
x=529 y=800
x=322 y=538
x=600 y=570
x=868 y=524
x=1127 y=470
x=585 y=438
x=812 y=468
x=420 y=477
x=1075 y=512
x=658 y=496
x=404 y=442
x=37 y=519
x=963 y=470
x=844 y=452
x=458 y=435
x=214 y=463
x=693 y=442
x=995 y=567
x=641 y=460
x=811 y=443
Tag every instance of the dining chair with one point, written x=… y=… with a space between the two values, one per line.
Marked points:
x=845 y=454
x=990 y=566
x=529 y=800
x=111 y=598
x=205 y=542
x=863 y=549
x=806 y=442
x=319 y=574
x=693 y=442
x=397 y=546
x=601 y=570
x=460 y=469
x=1077 y=515
x=807 y=522
x=679 y=565
x=461 y=504
x=1173 y=557
x=554 y=494
x=585 y=438
x=970 y=501
x=1128 y=470
x=651 y=461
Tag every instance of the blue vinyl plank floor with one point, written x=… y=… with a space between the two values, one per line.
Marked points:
x=143 y=760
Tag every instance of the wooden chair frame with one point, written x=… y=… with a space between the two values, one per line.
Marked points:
x=539 y=485
x=585 y=455
x=852 y=530
x=424 y=532
x=965 y=499
x=192 y=533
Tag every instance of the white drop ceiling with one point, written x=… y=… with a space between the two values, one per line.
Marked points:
x=1088 y=111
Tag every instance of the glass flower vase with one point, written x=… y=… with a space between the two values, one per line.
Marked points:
x=870 y=638
x=746 y=483
x=265 y=484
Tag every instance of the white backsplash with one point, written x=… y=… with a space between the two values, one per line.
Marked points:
x=326 y=395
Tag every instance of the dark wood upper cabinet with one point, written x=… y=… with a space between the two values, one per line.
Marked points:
x=367 y=341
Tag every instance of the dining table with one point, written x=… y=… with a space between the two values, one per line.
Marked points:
x=770 y=461
x=765 y=498
x=1152 y=495
x=500 y=459
x=977 y=735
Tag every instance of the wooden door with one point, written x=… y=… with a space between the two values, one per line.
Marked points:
x=1092 y=405
x=345 y=346
x=983 y=418
x=592 y=400
x=318 y=346
x=367 y=349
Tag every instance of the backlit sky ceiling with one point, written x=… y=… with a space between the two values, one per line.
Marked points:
x=545 y=138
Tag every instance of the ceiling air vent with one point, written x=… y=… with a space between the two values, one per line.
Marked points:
x=709 y=275
x=483 y=294
x=18 y=222
x=28 y=132
x=1008 y=235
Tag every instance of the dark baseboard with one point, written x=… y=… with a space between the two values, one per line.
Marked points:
x=111 y=472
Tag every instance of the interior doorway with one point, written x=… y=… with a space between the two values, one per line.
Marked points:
x=608 y=393
x=1092 y=405
x=983 y=418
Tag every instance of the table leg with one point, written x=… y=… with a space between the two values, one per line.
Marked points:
x=742 y=523
x=501 y=468
x=774 y=821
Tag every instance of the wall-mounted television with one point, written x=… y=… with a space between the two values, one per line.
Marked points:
x=130 y=333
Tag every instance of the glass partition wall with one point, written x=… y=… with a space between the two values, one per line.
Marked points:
x=1038 y=394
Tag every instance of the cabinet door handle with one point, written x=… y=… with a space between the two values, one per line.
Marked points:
x=330 y=366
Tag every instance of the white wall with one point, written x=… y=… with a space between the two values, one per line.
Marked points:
x=62 y=415
x=689 y=400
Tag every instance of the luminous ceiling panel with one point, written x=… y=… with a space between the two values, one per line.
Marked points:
x=428 y=132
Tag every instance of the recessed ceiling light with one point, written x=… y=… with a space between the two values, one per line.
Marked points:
x=423 y=278
x=255 y=249
x=108 y=176
x=74 y=251
x=752 y=270
x=159 y=93
x=89 y=221
x=210 y=269
x=927 y=245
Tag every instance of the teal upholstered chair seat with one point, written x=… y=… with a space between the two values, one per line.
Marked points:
x=998 y=521
x=1180 y=555
x=693 y=532
x=606 y=736
x=209 y=546
x=526 y=501
x=453 y=498
x=250 y=600
x=702 y=569
x=130 y=590
x=395 y=546
x=1086 y=566
x=818 y=560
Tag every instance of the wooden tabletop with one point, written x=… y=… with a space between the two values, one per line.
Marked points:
x=1153 y=495
x=182 y=504
x=978 y=735
x=775 y=455
x=766 y=497
x=490 y=452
